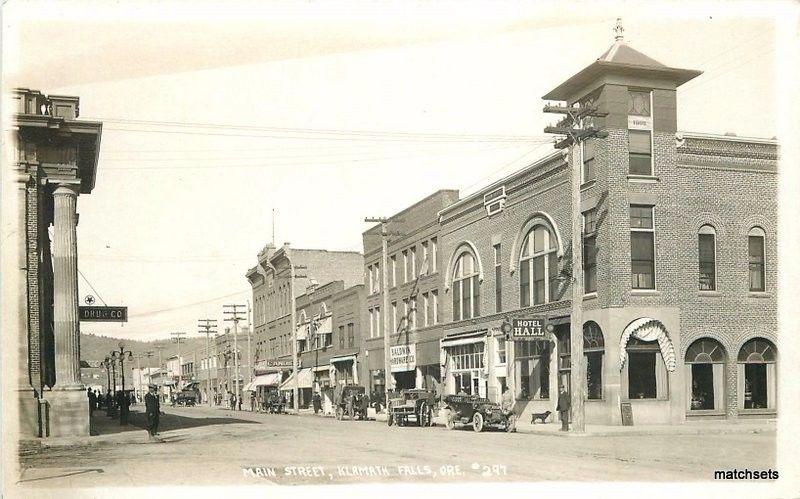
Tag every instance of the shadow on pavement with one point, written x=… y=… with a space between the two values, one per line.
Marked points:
x=169 y=422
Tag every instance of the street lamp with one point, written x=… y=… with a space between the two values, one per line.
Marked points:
x=121 y=356
x=106 y=363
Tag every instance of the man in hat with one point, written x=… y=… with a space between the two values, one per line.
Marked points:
x=153 y=409
x=563 y=407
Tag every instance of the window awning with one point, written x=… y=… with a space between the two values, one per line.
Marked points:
x=343 y=358
x=648 y=329
x=452 y=340
x=321 y=368
x=305 y=377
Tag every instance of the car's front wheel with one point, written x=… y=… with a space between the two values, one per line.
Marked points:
x=477 y=422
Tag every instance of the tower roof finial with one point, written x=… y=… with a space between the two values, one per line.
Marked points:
x=618 y=30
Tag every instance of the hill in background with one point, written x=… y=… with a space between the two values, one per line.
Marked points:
x=95 y=348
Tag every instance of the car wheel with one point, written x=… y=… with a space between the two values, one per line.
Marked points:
x=477 y=422
x=424 y=415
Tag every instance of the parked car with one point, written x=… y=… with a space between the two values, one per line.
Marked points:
x=412 y=405
x=478 y=412
x=188 y=396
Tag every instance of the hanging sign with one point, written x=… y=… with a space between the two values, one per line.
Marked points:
x=403 y=357
x=533 y=328
x=103 y=314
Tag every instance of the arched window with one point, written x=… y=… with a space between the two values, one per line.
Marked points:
x=593 y=349
x=705 y=375
x=755 y=248
x=466 y=287
x=538 y=267
x=757 y=381
x=707 y=258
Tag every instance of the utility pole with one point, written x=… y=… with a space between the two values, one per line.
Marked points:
x=235 y=317
x=207 y=326
x=179 y=338
x=387 y=364
x=575 y=128
x=249 y=333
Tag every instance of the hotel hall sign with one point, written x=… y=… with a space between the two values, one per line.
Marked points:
x=530 y=329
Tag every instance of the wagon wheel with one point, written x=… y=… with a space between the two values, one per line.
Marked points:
x=477 y=422
x=425 y=415
x=390 y=419
x=450 y=421
x=339 y=413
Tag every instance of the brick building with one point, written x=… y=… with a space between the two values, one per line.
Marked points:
x=273 y=286
x=414 y=295
x=679 y=239
x=55 y=158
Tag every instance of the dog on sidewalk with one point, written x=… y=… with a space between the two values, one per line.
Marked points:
x=540 y=415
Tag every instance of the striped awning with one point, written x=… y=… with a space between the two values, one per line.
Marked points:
x=648 y=329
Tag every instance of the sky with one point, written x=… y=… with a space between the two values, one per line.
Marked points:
x=216 y=114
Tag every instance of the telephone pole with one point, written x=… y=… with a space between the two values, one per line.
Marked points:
x=233 y=314
x=575 y=127
x=159 y=348
x=178 y=338
x=249 y=333
x=293 y=305
x=207 y=326
x=387 y=364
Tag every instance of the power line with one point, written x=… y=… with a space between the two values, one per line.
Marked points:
x=169 y=309
x=92 y=287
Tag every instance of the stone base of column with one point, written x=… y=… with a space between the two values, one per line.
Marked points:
x=29 y=417
x=69 y=412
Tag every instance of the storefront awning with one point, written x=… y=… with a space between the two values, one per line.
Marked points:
x=452 y=340
x=321 y=368
x=271 y=379
x=648 y=329
x=343 y=358
x=305 y=377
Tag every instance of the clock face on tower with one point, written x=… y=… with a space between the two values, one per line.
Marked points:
x=638 y=103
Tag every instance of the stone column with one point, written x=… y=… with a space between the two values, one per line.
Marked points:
x=65 y=269
x=69 y=406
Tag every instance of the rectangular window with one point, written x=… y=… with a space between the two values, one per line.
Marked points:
x=351 y=335
x=405 y=320
x=590 y=251
x=501 y=349
x=639 y=103
x=394 y=316
x=341 y=336
x=377 y=278
x=413 y=262
x=371 y=323
x=476 y=297
x=755 y=246
x=425 y=310
x=587 y=151
x=707 y=262
x=457 y=302
x=498 y=280
x=405 y=266
x=371 y=277
x=594 y=375
x=425 y=254
x=524 y=284
x=538 y=281
x=639 y=150
x=433 y=255
x=394 y=270
x=642 y=247
x=378 y=326
x=435 y=312
x=642 y=375
x=412 y=317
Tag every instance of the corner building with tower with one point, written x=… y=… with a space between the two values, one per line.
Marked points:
x=679 y=263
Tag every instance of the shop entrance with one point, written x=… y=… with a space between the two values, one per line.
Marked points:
x=405 y=380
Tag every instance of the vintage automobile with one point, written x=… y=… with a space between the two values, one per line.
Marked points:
x=274 y=403
x=189 y=395
x=412 y=405
x=478 y=412
x=358 y=407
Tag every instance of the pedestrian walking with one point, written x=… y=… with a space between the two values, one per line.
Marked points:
x=317 y=402
x=92 y=401
x=153 y=409
x=252 y=401
x=563 y=408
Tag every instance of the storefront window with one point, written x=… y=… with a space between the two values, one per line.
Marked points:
x=706 y=361
x=466 y=367
x=757 y=375
x=647 y=374
x=501 y=349
x=593 y=349
x=532 y=369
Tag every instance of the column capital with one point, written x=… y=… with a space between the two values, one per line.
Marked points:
x=66 y=189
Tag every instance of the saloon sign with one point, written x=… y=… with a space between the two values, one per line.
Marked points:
x=533 y=328
x=403 y=357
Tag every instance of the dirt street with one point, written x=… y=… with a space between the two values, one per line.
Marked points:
x=215 y=446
